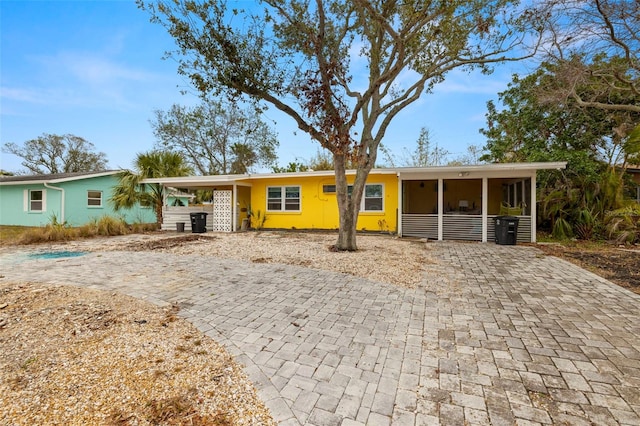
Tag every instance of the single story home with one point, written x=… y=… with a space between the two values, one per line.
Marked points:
x=439 y=203
x=74 y=198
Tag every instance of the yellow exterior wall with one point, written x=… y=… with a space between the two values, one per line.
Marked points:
x=243 y=203
x=319 y=210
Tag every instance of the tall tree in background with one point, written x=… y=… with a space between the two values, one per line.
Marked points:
x=58 y=154
x=425 y=154
x=589 y=139
x=216 y=137
x=153 y=164
x=343 y=70
x=596 y=44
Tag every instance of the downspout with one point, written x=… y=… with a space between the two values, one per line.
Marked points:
x=46 y=185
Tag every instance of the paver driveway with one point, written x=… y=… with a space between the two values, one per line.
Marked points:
x=496 y=335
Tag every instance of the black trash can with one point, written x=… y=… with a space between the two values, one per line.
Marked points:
x=180 y=226
x=198 y=222
x=506 y=230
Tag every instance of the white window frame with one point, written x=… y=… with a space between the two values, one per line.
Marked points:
x=42 y=200
x=283 y=199
x=364 y=198
x=89 y=198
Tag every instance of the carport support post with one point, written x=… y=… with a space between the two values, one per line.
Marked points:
x=440 y=208
x=485 y=208
x=234 y=209
x=533 y=210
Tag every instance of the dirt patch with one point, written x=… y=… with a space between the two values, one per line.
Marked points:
x=79 y=356
x=167 y=243
x=618 y=265
x=404 y=260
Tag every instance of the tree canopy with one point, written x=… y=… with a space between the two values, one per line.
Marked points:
x=216 y=137
x=153 y=164
x=342 y=70
x=595 y=43
x=51 y=153
x=529 y=128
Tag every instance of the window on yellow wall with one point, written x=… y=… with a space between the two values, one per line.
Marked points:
x=372 y=201
x=283 y=198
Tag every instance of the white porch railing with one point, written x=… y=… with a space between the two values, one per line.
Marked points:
x=173 y=214
x=420 y=225
x=458 y=227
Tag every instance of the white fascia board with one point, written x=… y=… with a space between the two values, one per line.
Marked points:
x=197 y=180
x=60 y=180
x=478 y=171
x=94 y=175
x=229 y=179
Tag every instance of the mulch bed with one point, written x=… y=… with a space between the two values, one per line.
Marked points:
x=618 y=265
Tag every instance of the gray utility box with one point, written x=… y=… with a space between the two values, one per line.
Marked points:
x=506 y=230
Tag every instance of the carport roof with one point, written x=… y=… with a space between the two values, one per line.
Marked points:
x=244 y=179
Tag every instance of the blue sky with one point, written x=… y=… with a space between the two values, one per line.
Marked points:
x=95 y=69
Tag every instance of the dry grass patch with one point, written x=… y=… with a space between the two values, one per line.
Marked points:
x=78 y=356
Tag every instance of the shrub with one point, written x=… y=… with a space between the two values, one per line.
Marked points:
x=623 y=225
x=53 y=231
x=108 y=226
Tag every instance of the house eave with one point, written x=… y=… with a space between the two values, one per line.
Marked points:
x=58 y=180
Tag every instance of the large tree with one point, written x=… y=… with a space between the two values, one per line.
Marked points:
x=216 y=137
x=58 y=154
x=596 y=43
x=529 y=128
x=343 y=70
x=153 y=164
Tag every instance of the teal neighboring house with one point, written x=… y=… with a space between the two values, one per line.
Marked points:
x=76 y=198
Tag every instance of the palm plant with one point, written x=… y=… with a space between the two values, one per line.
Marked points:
x=153 y=164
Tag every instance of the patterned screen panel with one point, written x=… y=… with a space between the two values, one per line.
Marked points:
x=222 y=211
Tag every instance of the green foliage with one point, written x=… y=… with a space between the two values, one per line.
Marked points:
x=293 y=166
x=595 y=143
x=216 y=137
x=623 y=225
x=258 y=218
x=58 y=154
x=425 y=154
x=153 y=164
x=298 y=57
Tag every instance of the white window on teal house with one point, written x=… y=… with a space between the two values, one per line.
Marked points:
x=94 y=198
x=283 y=198
x=372 y=200
x=36 y=200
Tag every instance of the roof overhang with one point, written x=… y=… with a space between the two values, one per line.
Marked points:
x=30 y=180
x=470 y=171
x=498 y=170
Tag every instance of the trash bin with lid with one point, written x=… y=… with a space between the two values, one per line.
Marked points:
x=506 y=229
x=198 y=222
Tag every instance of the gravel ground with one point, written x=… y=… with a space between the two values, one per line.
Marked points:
x=77 y=356
x=404 y=259
x=80 y=356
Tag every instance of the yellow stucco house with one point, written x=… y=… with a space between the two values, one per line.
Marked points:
x=440 y=203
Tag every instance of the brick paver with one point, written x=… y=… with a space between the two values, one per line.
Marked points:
x=496 y=335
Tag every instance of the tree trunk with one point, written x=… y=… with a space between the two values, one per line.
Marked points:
x=158 y=210
x=348 y=220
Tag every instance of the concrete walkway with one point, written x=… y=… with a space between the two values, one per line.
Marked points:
x=496 y=335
